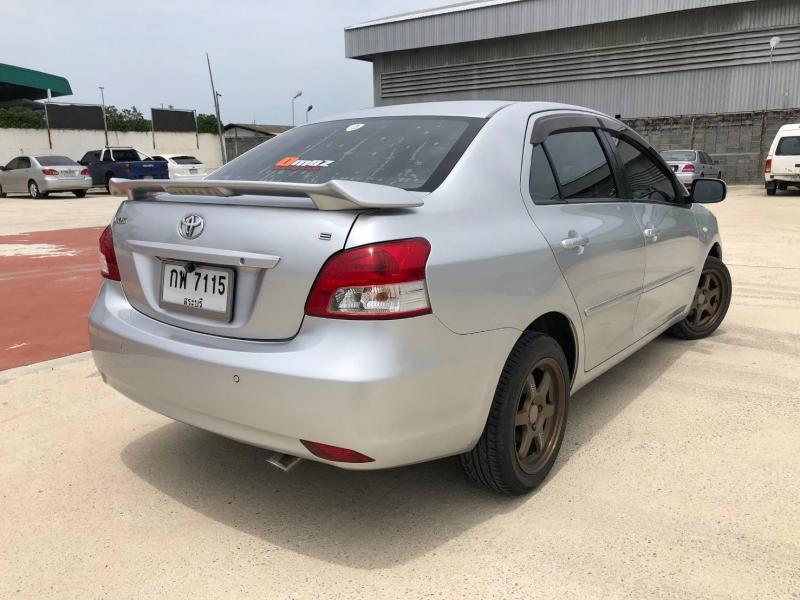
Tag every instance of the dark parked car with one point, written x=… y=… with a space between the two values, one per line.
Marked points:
x=122 y=162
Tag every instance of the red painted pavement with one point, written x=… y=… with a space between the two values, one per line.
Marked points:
x=45 y=299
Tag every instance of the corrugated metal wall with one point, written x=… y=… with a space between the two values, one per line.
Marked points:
x=513 y=18
x=710 y=60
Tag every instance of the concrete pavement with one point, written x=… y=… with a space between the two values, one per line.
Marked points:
x=678 y=478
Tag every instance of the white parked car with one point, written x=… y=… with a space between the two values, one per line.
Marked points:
x=183 y=166
x=782 y=168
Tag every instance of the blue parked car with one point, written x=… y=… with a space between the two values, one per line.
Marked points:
x=122 y=162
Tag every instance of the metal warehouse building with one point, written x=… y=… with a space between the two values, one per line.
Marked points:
x=698 y=73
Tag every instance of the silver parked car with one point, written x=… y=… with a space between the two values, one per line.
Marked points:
x=691 y=165
x=406 y=283
x=40 y=175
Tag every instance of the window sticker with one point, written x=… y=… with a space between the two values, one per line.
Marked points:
x=295 y=163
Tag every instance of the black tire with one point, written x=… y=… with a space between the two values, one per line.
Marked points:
x=495 y=461
x=772 y=190
x=706 y=315
x=34 y=191
x=79 y=193
x=108 y=182
x=2 y=193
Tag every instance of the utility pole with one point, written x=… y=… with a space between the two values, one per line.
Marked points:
x=103 y=101
x=295 y=97
x=308 y=110
x=216 y=109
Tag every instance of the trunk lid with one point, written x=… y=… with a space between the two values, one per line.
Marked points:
x=275 y=253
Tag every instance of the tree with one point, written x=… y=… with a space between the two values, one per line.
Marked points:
x=207 y=124
x=126 y=119
x=22 y=118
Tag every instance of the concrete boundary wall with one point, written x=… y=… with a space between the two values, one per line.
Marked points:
x=740 y=141
x=74 y=143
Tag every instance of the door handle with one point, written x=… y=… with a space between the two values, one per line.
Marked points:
x=575 y=243
x=651 y=233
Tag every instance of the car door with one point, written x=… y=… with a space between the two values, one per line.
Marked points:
x=669 y=228
x=594 y=234
x=8 y=177
x=23 y=173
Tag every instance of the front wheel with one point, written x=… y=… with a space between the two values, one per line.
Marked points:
x=34 y=191
x=710 y=303
x=79 y=193
x=527 y=419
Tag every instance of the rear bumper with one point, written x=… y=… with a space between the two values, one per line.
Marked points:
x=50 y=184
x=687 y=178
x=401 y=391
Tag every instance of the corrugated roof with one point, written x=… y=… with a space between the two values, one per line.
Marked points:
x=258 y=128
x=18 y=83
x=482 y=20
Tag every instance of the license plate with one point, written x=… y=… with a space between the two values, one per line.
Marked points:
x=192 y=170
x=197 y=289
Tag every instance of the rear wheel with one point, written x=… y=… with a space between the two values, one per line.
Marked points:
x=2 y=193
x=527 y=419
x=108 y=182
x=34 y=191
x=772 y=188
x=710 y=303
x=79 y=193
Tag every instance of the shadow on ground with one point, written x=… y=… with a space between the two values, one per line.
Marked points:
x=362 y=519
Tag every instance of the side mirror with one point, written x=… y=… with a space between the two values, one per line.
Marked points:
x=709 y=191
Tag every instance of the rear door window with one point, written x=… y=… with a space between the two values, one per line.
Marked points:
x=414 y=153
x=581 y=165
x=788 y=146
x=23 y=162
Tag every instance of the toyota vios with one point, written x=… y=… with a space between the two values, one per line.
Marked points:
x=406 y=283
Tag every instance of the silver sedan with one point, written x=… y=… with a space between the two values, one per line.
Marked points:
x=40 y=175
x=406 y=283
x=691 y=165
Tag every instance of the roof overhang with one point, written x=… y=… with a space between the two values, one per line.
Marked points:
x=487 y=19
x=18 y=83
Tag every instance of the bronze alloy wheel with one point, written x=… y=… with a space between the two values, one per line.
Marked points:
x=540 y=412
x=710 y=303
x=707 y=305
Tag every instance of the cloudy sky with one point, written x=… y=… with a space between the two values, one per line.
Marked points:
x=148 y=52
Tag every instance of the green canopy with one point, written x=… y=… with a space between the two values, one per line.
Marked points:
x=17 y=83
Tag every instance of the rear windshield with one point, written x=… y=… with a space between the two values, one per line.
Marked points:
x=414 y=153
x=186 y=160
x=788 y=146
x=54 y=161
x=125 y=155
x=679 y=155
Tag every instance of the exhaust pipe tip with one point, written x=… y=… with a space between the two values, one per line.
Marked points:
x=283 y=462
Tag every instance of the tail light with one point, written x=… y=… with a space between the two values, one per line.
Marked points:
x=108 y=258
x=379 y=281
x=49 y=172
x=768 y=166
x=336 y=454
x=84 y=171
x=688 y=168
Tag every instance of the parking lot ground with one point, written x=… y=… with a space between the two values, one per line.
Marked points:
x=678 y=478
x=48 y=281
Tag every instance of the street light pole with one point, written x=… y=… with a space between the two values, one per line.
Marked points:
x=295 y=97
x=103 y=101
x=773 y=43
x=308 y=110
x=216 y=110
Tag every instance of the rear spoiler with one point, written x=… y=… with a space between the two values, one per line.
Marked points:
x=337 y=194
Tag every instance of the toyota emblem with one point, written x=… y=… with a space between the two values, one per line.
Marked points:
x=191 y=226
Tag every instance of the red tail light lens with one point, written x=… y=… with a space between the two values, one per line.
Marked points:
x=379 y=281
x=768 y=166
x=688 y=168
x=108 y=258
x=49 y=172
x=335 y=453
x=84 y=171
